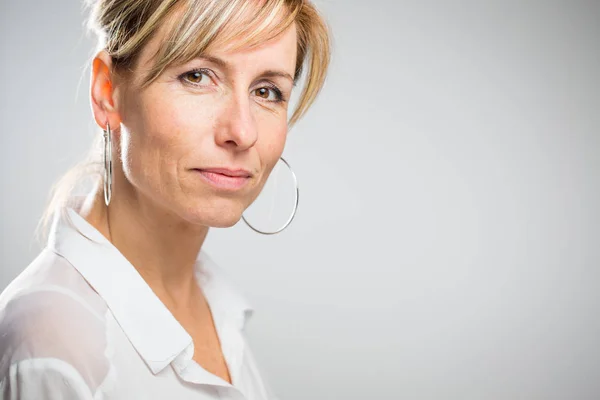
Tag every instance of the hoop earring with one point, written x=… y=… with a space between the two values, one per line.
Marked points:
x=108 y=168
x=289 y=221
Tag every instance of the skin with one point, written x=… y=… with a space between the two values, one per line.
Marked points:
x=161 y=208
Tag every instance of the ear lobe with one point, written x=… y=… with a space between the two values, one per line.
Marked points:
x=101 y=92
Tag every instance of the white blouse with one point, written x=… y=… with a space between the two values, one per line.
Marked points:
x=81 y=323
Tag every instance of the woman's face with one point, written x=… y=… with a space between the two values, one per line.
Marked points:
x=202 y=139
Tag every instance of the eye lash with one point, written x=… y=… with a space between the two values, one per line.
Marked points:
x=204 y=71
x=278 y=93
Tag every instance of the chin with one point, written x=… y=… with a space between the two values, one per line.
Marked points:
x=221 y=222
x=223 y=215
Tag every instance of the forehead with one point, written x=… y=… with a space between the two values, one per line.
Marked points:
x=234 y=28
x=280 y=52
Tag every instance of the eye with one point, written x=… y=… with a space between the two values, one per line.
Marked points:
x=269 y=94
x=196 y=77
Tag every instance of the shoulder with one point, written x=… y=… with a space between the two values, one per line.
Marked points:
x=47 y=272
x=48 y=289
x=51 y=319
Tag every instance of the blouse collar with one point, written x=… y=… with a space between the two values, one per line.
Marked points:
x=151 y=328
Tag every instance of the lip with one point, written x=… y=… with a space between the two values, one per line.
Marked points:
x=225 y=179
x=240 y=172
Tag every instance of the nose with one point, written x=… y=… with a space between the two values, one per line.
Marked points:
x=237 y=130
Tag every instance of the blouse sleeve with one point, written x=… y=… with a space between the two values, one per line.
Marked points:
x=51 y=347
x=43 y=379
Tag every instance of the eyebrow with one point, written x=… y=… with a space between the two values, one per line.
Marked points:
x=214 y=60
x=270 y=73
x=273 y=73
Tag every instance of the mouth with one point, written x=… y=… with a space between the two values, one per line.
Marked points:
x=225 y=179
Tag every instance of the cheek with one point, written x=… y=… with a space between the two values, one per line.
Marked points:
x=272 y=144
x=158 y=133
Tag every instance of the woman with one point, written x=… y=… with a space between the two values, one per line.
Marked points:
x=192 y=97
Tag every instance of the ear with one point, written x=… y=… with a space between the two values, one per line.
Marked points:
x=103 y=93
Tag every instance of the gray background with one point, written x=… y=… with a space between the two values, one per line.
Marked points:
x=447 y=242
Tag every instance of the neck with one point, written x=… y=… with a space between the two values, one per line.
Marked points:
x=160 y=245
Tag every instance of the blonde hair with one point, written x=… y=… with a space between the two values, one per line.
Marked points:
x=124 y=27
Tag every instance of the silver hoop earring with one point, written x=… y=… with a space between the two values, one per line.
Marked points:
x=289 y=221
x=108 y=168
